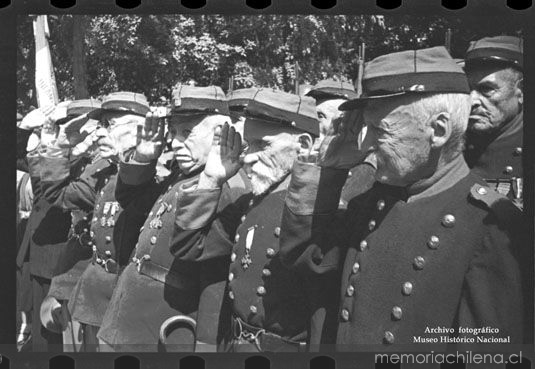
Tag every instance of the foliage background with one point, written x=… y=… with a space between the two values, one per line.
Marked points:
x=150 y=54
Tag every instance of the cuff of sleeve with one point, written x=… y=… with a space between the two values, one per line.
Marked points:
x=196 y=209
x=34 y=167
x=54 y=169
x=313 y=189
x=134 y=173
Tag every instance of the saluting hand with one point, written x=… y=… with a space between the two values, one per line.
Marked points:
x=224 y=158
x=150 y=139
x=341 y=149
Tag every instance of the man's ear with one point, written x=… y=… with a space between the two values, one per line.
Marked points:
x=305 y=143
x=441 y=129
x=519 y=90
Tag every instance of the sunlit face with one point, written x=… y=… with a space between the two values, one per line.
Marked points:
x=270 y=154
x=118 y=133
x=401 y=146
x=496 y=98
x=191 y=138
x=327 y=111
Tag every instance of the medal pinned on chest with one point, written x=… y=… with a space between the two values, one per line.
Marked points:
x=108 y=213
x=246 y=260
x=156 y=222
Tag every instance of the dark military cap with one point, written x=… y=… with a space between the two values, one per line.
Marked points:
x=123 y=101
x=238 y=99
x=277 y=107
x=193 y=100
x=430 y=70
x=503 y=49
x=79 y=107
x=332 y=89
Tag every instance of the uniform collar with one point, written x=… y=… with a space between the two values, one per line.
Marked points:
x=440 y=181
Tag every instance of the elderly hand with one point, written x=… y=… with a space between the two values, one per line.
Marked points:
x=341 y=149
x=150 y=139
x=52 y=316
x=224 y=158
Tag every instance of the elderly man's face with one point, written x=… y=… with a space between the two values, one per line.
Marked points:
x=270 y=154
x=327 y=111
x=191 y=139
x=400 y=144
x=118 y=133
x=496 y=98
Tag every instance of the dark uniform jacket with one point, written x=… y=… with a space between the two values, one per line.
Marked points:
x=47 y=230
x=76 y=192
x=432 y=257
x=498 y=158
x=164 y=278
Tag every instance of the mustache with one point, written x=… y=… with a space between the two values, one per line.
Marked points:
x=481 y=112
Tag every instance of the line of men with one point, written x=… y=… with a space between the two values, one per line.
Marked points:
x=274 y=226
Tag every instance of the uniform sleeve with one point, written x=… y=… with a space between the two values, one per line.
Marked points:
x=206 y=221
x=310 y=214
x=492 y=293
x=136 y=184
x=70 y=184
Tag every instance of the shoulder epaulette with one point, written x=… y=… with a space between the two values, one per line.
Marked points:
x=494 y=201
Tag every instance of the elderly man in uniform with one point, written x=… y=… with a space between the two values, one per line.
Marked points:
x=269 y=309
x=91 y=197
x=158 y=284
x=329 y=95
x=494 y=67
x=426 y=246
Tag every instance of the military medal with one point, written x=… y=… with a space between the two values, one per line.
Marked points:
x=246 y=259
x=504 y=188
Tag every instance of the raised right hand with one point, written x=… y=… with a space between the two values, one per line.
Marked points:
x=150 y=139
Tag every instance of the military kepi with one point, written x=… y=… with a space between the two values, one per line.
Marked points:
x=332 y=89
x=122 y=101
x=277 y=107
x=239 y=99
x=430 y=70
x=79 y=107
x=504 y=49
x=194 y=100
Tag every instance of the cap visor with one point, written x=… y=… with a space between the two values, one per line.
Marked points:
x=95 y=114
x=361 y=101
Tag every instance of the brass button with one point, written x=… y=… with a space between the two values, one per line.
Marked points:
x=85 y=218
x=237 y=238
x=448 y=221
x=350 y=290
x=230 y=277
x=142 y=228
x=243 y=218
x=108 y=238
x=253 y=309
x=419 y=262
x=518 y=151
x=363 y=245
x=355 y=268
x=380 y=205
x=345 y=315
x=508 y=169
x=266 y=272
x=106 y=180
x=277 y=231
x=349 y=174
x=89 y=243
x=107 y=252
x=433 y=242
x=231 y=295
x=261 y=290
x=482 y=190
x=85 y=230
x=94 y=220
x=153 y=240
x=97 y=206
x=150 y=214
x=371 y=225
x=101 y=193
x=91 y=234
x=270 y=252
x=389 y=337
x=251 y=202
x=407 y=288
x=397 y=312
x=233 y=257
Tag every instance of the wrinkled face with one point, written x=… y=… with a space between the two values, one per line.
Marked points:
x=118 y=133
x=496 y=98
x=191 y=139
x=327 y=111
x=401 y=146
x=270 y=154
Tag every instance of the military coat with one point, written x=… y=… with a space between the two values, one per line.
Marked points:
x=440 y=257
